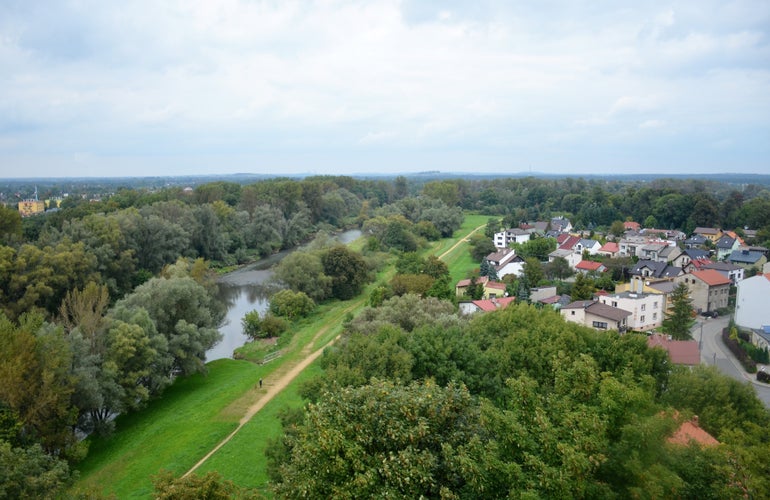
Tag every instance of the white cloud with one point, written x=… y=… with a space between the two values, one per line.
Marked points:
x=95 y=77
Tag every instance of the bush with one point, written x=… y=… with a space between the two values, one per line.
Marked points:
x=748 y=364
x=290 y=304
x=763 y=377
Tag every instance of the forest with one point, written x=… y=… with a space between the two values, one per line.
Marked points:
x=103 y=305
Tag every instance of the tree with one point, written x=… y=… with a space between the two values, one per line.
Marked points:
x=251 y=324
x=558 y=268
x=209 y=486
x=650 y=222
x=31 y=473
x=347 y=269
x=10 y=225
x=583 y=288
x=291 y=305
x=480 y=247
x=617 y=229
x=185 y=313
x=304 y=272
x=532 y=271
x=493 y=226
x=679 y=317
x=373 y=441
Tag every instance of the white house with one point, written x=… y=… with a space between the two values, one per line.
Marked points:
x=506 y=262
x=752 y=305
x=647 y=309
x=503 y=239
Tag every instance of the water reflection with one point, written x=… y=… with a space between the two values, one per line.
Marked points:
x=247 y=289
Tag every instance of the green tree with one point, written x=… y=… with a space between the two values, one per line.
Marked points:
x=185 y=313
x=291 y=305
x=480 y=247
x=617 y=229
x=558 y=268
x=651 y=222
x=10 y=226
x=304 y=272
x=372 y=442
x=493 y=226
x=31 y=473
x=583 y=288
x=347 y=269
x=251 y=324
x=532 y=271
x=210 y=486
x=679 y=317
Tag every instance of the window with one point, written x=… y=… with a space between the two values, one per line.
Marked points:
x=614 y=303
x=644 y=306
x=642 y=318
x=654 y=316
x=573 y=313
x=655 y=305
x=600 y=324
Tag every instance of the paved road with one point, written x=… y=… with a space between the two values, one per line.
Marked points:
x=707 y=331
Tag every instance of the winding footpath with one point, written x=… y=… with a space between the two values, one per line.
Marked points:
x=275 y=388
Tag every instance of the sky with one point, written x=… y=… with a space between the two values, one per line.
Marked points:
x=192 y=87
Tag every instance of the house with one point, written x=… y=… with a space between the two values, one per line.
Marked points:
x=681 y=352
x=591 y=246
x=561 y=224
x=557 y=302
x=734 y=273
x=647 y=309
x=504 y=239
x=536 y=294
x=710 y=233
x=696 y=265
x=571 y=257
x=490 y=305
x=567 y=242
x=652 y=250
x=752 y=304
x=709 y=289
x=609 y=249
x=654 y=269
x=539 y=227
x=747 y=258
x=589 y=266
x=688 y=255
x=492 y=289
x=690 y=432
x=632 y=226
x=668 y=234
x=725 y=246
x=629 y=245
x=596 y=315
x=505 y=262
x=695 y=241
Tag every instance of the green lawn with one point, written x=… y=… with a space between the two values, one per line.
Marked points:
x=196 y=413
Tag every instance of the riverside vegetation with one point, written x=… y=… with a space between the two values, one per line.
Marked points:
x=105 y=318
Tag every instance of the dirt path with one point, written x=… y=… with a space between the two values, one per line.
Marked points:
x=461 y=241
x=283 y=380
x=274 y=388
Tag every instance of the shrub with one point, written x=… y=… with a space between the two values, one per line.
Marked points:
x=763 y=377
x=748 y=364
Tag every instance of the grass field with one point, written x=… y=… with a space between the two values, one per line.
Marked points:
x=198 y=412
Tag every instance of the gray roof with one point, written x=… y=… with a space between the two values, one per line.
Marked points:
x=725 y=242
x=745 y=256
x=599 y=309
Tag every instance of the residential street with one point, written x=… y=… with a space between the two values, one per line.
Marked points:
x=713 y=352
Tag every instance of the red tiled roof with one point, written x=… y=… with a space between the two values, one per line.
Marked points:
x=611 y=247
x=550 y=300
x=631 y=225
x=496 y=285
x=691 y=431
x=569 y=243
x=562 y=238
x=681 y=352
x=588 y=265
x=711 y=277
x=493 y=304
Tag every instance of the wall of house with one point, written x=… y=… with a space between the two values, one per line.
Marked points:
x=647 y=310
x=752 y=305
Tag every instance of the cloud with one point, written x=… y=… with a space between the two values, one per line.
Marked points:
x=252 y=77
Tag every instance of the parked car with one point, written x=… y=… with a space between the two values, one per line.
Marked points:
x=709 y=314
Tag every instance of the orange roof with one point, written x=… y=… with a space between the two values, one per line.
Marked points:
x=681 y=352
x=493 y=304
x=631 y=225
x=610 y=246
x=467 y=282
x=711 y=277
x=496 y=285
x=588 y=265
x=690 y=431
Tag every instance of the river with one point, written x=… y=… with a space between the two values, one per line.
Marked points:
x=247 y=289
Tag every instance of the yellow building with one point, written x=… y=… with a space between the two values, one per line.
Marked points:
x=31 y=207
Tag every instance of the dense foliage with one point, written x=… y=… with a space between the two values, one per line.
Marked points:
x=514 y=403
